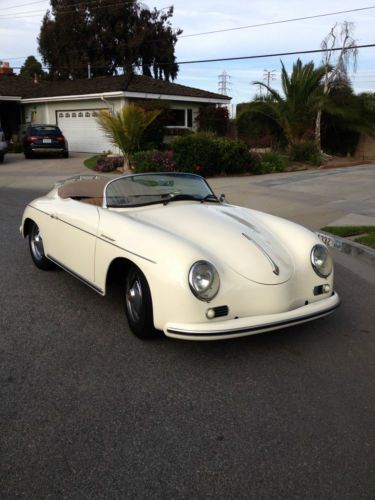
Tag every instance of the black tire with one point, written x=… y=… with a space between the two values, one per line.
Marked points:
x=1 y=158
x=65 y=154
x=28 y=156
x=138 y=304
x=37 y=250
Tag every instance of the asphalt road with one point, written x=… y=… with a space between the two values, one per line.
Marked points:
x=89 y=411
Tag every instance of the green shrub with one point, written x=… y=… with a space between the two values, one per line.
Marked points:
x=268 y=163
x=153 y=161
x=233 y=156
x=109 y=163
x=197 y=153
x=306 y=151
x=213 y=119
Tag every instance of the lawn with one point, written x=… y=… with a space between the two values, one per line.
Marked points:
x=361 y=234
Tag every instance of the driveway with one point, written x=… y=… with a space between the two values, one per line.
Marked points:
x=87 y=410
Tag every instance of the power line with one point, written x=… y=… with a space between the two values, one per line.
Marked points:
x=23 y=5
x=240 y=58
x=70 y=9
x=278 y=54
x=88 y=2
x=278 y=22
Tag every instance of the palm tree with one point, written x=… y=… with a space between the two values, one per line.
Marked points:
x=124 y=129
x=295 y=110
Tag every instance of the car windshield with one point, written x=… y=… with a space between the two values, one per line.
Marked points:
x=45 y=130
x=146 y=189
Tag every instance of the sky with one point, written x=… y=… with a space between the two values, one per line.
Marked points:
x=20 y=22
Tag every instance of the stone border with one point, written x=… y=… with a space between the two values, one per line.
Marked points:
x=347 y=246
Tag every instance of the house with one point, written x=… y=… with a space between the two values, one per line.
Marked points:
x=74 y=104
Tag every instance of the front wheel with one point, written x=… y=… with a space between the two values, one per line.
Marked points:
x=37 y=250
x=138 y=304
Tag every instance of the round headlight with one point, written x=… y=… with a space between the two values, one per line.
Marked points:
x=321 y=261
x=204 y=280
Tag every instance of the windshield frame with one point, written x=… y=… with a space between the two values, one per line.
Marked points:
x=155 y=202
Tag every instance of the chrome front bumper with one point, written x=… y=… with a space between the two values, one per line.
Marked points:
x=243 y=327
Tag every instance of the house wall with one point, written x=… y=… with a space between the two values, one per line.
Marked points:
x=88 y=137
x=46 y=112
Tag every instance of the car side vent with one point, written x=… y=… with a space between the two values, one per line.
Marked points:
x=221 y=311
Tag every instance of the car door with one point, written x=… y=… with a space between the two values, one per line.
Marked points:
x=73 y=240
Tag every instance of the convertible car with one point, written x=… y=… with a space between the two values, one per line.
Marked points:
x=190 y=263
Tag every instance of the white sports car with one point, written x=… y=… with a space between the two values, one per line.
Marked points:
x=191 y=264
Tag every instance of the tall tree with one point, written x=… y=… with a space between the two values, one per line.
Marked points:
x=109 y=36
x=32 y=68
x=294 y=111
x=336 y=64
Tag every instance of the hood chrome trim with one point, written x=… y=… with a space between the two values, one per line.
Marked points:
x=274 y=266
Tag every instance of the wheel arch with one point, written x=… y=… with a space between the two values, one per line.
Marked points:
x=26 y=227
x=116 y=271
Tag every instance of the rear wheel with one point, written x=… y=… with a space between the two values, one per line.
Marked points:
x=37 y=250
x=1 y=158
x=65 y=154
x=28 y=156
x=138 y=304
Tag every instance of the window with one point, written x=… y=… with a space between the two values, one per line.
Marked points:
x=67 y=115
x=80 y=115
x=61 y=115
x=176 y=118
x=74 y=115
x=180 y=118
x=87 y=114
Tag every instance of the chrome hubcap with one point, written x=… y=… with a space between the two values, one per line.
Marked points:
x=37 y=244
x=134 y=300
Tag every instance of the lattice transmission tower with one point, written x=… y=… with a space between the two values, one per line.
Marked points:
x=224 y=83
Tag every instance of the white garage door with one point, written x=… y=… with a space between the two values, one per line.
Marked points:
x=82 y=131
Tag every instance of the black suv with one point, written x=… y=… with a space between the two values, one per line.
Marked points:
x=3 y=145
x=44 y=139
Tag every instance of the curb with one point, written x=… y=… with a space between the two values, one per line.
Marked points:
x=358 y=163
x=347 y=246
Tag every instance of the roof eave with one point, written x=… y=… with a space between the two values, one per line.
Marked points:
x=10 y=98
x=149 y=95
x=75 y=97
x=128 y=94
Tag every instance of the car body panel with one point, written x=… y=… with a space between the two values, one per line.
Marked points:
x=164 y=240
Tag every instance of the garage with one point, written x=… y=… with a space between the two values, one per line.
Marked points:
x=82 y=131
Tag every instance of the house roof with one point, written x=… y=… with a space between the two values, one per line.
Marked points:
x=27 y=89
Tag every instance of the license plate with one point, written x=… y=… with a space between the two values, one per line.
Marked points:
x=47 y=141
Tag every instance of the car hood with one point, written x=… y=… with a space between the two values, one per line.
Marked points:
x=232 y=235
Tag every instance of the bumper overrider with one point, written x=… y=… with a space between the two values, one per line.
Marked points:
x=243 y=327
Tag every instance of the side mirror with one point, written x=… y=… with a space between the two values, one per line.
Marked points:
x=222 y=198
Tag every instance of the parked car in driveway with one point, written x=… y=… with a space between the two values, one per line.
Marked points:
x=44 y=140
x=191 y=264
x=3 y=145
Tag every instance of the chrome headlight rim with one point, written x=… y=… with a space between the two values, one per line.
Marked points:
x=317 y=269
x=210 y=292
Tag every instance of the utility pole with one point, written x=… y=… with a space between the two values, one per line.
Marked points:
x=224 y=83
x=268 y=76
